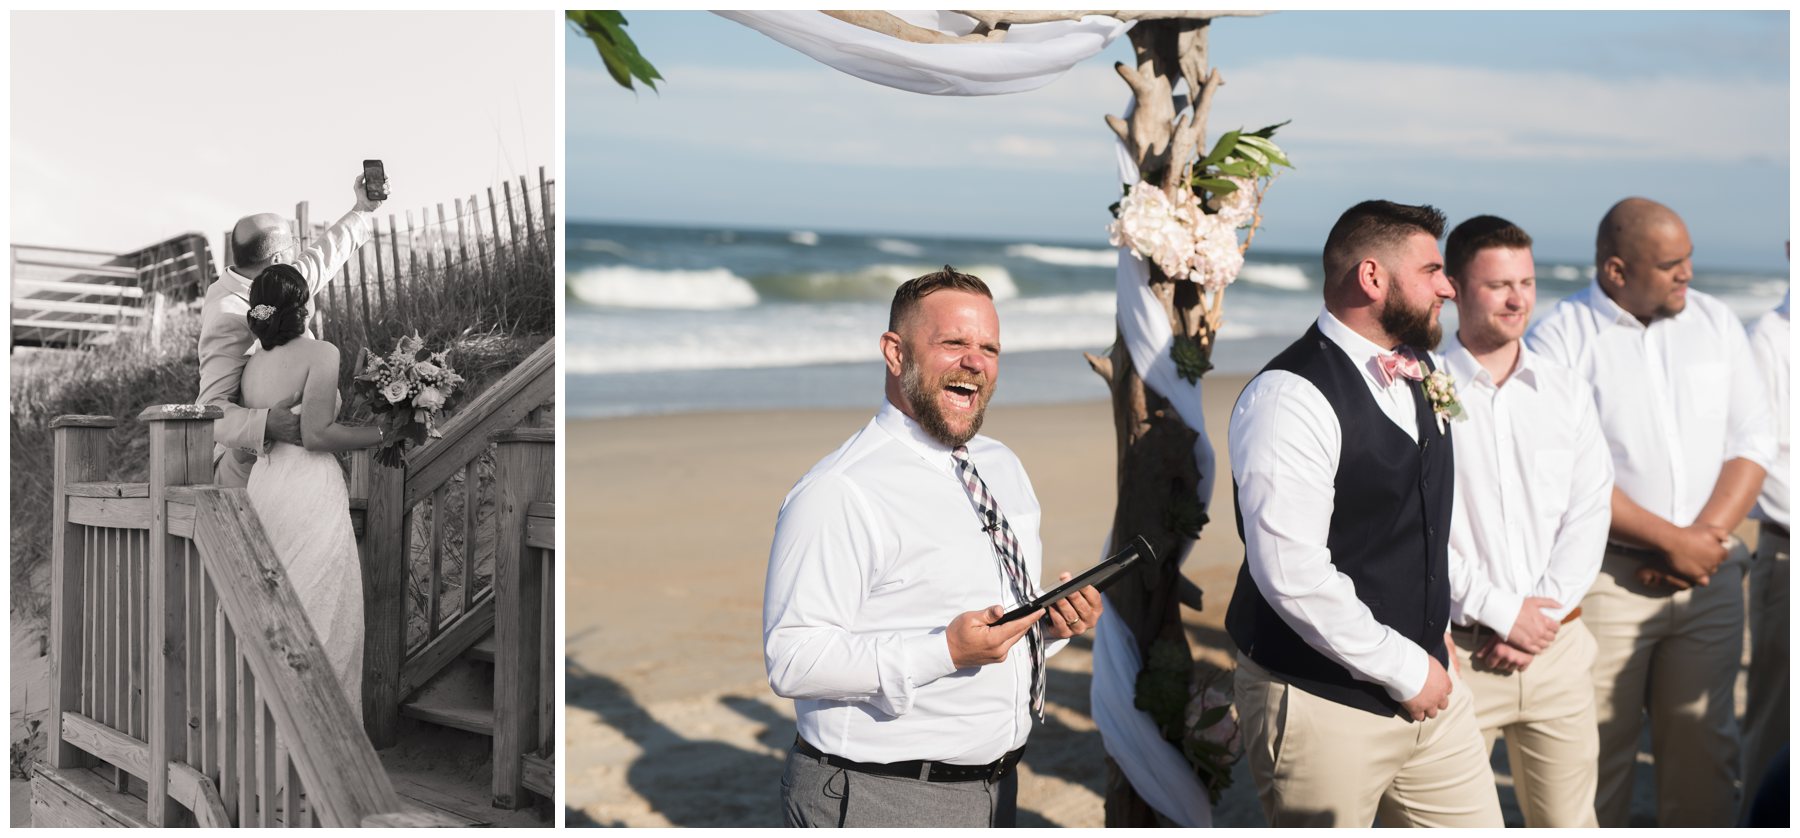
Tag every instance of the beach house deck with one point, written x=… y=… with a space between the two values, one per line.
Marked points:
x=184 y=677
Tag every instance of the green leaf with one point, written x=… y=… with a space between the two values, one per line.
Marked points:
x=1216 y=185
x=1249 y=152
x=606 y=28
x=1240 y=168
x=1268 y=148
x=1269 y=131
x=1219 y=150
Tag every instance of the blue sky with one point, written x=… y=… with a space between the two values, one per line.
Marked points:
x=1546 y=118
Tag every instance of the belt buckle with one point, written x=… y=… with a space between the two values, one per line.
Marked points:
x=998 y=771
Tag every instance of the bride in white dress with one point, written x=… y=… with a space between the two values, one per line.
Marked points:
x=299 y=491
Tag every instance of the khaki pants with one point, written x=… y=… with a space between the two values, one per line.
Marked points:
x=1546 y=714
x=1320 y=763
x=1766 y=716
x=1674 y=654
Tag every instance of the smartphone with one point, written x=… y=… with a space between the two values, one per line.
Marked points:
x=374 y=180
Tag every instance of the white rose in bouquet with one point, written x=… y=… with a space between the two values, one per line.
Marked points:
x=426 y=369
x=1217 y=258
x=1156 y=228
x=395 y=391
x=1238 y=209
x=429 y=398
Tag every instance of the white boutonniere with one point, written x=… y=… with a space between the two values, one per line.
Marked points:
x=1440 y=390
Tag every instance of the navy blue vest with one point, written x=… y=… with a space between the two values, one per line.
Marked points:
x=1390 y=531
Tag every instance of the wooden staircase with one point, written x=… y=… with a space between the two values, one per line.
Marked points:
x=462 y=694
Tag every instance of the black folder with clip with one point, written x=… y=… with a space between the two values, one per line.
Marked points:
x=1099 y=576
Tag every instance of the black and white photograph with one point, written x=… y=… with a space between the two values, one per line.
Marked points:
x=283 y=399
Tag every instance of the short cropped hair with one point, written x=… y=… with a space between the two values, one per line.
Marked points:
x=907 y=297
x=260 y=247
x=1478 y=234
x=1376 y=226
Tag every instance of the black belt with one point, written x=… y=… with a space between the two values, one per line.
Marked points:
x=918 y=769
x=1779 y=529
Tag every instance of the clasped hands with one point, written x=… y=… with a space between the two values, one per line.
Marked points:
x=974 y=642
x=1690 y=558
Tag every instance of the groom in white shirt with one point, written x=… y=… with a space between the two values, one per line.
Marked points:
x=891 y=558
x=1686 y=419
x=1342 y=464
x=1533 y=502
x=258 y=241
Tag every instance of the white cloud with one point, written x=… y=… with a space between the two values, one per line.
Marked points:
x=1341 y=109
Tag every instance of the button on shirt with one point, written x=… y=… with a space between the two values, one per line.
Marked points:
x=1678 y=398
x=1769 y=343
x=1285 y=440
x=876 y=550
x=1533 y=489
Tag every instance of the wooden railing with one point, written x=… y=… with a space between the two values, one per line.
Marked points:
x=431 y=585
x=63 y=297
x=181 y=660
x=525 y=694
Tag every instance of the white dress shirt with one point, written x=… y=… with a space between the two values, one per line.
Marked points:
x=1533 y=490
x=876 y=550
x=1284 y=456
x=1769 y=343
x=225 y=334
x=1678 y=398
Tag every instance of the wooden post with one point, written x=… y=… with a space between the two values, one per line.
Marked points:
x=525 y=199
x=380 y=277
x=512 y=223
x=494 y=214
x=399 y=285
x=480 y=242
x=385 y=550
x=412 y=246
x=181 y=448
x=548 y=190
x=81 y=456
x=443 y=227
x=362 y=280
x=462 y=241
x=524 y=473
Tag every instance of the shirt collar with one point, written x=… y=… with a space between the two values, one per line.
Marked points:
x=1361 y=350
x=1466 y=370
x=911 y=434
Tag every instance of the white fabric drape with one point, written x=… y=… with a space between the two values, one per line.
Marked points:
x=1031 y=56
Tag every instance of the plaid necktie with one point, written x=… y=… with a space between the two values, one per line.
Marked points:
x=1006 y=547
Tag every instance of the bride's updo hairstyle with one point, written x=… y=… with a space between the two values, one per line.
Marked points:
x=278 y=299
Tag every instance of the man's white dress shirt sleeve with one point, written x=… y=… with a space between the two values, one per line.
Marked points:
x=1751 y=435
x=1284 y=456
x=1580 y=545
x=327 y=254
x=819 y=569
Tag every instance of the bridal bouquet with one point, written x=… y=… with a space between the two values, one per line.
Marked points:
x=407 y=389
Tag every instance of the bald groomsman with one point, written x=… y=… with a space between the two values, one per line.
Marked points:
x=1766 y=720
x=1533 y=501
x=1343 y=474
x=1687 y=421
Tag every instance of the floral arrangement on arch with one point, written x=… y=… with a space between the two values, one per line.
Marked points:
x=406 y=389
x=1193 y=236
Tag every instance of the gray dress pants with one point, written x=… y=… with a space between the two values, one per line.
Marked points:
x=814 y=794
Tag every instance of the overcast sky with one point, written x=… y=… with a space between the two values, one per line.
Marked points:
x=129 y=128
x=1546 y=118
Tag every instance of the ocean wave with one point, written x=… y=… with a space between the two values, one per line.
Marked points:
x=804 y=237
x=1079 y=257
x=875 y=283
x=626 y=287
x=604 y=246
x=1278 y=276
x=1571 y=273
x=1092 y=302
x=898 y=247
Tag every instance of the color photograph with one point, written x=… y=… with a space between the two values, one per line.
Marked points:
x=283 y=400
x=1422 y=376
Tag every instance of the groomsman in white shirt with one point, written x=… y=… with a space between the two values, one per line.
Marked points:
x=1686 y=417
x=1533 y=502
x=912 y=710
x=1343 y=470
x=1766 y=717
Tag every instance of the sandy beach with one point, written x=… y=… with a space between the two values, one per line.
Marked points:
x=669 y=719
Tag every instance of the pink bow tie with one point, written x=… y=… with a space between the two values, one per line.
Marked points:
x=1398 y=365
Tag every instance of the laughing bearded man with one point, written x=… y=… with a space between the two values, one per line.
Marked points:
x=891 y=558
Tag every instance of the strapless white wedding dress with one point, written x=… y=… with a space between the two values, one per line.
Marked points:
x=305 y=509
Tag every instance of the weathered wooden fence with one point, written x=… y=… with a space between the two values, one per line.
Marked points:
x=184 y=685
x=64 y=297
x=464 y=240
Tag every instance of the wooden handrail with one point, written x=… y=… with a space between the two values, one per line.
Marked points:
x=499 y=407
x=524 y=610
x=338 y=767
